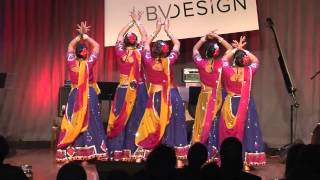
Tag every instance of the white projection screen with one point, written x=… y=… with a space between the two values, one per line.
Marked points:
x=188 y=18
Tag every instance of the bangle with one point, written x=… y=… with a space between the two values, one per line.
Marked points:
x=131 y=24
x=204 y=38
x=234 y=50
x=154 y=34
x=169 y=35
x=246 y=51
x=138 y=23
x=78 y=38
x=220 y=39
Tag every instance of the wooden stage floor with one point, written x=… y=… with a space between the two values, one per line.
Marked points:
x=44 y=165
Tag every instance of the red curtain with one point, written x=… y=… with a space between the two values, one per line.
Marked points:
x=34 y=35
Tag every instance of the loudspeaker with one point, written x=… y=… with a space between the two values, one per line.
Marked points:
x=63 y=99
x=104 y=168
x=3 y=77
x=194 y=92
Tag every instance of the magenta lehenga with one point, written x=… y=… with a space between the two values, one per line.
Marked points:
x=205 y=129
x=238 y=114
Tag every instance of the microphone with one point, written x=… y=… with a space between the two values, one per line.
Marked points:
x=269 y=21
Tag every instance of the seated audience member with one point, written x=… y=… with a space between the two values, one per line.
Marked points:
x=307 y=164
x=197 y=157
x=210 y=171
x=160 y=164
x=8 y=171
x=71 y=171
x=232 y=162
x=293 y=156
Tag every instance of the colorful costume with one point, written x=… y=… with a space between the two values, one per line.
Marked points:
x=164 y=118
x=128 y=105
x=238 y=114
x=205 y=129
x=82 y=136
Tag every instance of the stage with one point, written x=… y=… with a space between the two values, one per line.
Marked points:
x=45 y=167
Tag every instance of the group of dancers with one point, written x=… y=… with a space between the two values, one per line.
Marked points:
x=147 y=109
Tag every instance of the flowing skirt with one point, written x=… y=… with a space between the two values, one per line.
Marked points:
x=123 y=145
x=212 y=142
x=175 y=134
x=252 y=142
x=91 y=143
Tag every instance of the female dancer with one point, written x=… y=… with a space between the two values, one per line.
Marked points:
x=82 y=136
x=164 y=118
x=131 y=94
x=238 y=114
x=205 y=128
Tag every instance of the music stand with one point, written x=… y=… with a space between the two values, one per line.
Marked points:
x=3 y=77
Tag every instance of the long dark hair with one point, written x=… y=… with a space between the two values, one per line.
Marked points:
x=79 y=48
x=240 y=58
x=160 y=49
x=212 y=50
x=130 y=39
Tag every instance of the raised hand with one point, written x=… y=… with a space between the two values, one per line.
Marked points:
x=158 y=25
x=83 y=28
x=212 y=34
x=239 y=44
x=166 y=24
x=133 y=15
x=140 y=15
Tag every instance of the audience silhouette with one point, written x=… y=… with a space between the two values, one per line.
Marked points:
x=72 y=171
x=232 y=162
x=8 y=171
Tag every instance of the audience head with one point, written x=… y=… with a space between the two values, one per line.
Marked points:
x=4 y=149
x=210 y=171
x=316 y=135
x=71 y=171
x=310 y=158
x=197 y=155
x=306 y=165
x=293 y=156
x=162 y=157
x=231 y=154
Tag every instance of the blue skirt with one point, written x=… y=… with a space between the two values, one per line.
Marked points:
x=213 y=139
x=253 y=146
x=125 y=141
x=91 y=143
x=175 y=134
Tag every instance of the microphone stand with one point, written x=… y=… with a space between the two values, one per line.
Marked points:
x=316 y=74
x=287 y=79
